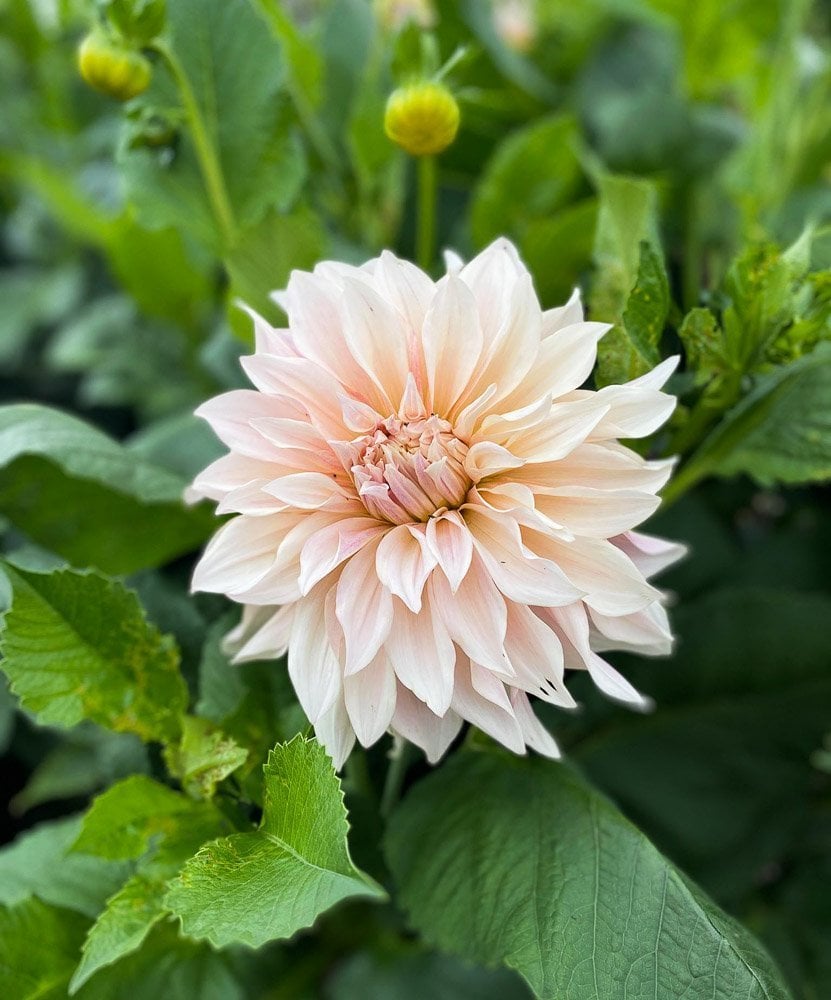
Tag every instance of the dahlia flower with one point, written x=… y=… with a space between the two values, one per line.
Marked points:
x=432 y=518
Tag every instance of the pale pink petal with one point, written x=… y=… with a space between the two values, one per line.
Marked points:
x=369 y=696
x=423 y=656
x=609 y=580
x=311 y=491
x=414 y=721
x=230 y=473
x=488 y=459
x=363 y=608
x=313 y=389
x=646 y=632
x=568 y=426
x=651 y=555
x=452 y=342
x=596 y=513
x=335 y=732
x=271 y=640
x=556 y=319
x=238 y=555
x=498 y=721
x=451 y=544
x=475 y=616
x=313 y=665
x=328 y=547
x=403 y=563
x=536 y=655
x=377 y=339
x=519 y=574
x=563 y=364
x=534 y=733
x=230 y=417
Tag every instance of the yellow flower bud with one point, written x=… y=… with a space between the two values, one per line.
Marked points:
x=422 y=118
x=111 y=69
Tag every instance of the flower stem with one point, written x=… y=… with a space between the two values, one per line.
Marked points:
x=396 y=772
x=426 y=222
x=206 y=152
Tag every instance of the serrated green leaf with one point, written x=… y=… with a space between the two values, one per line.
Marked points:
x=81 y=494
x=629 y=268
x=779 y=433
x=76 y=646
x=122 y=928
x=38 y=950
x=39 y=863
x=137 y=817
x=255 y=887
x=122 y=820
x=204 y=756
x=501 y=859
x=540 y=161
x=235 y=70
x=170 y=967
x=701 y=336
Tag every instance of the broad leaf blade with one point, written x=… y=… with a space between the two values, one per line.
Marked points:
x=81 y=494
x=77 y=646
x=519 y=861
x=254 y=887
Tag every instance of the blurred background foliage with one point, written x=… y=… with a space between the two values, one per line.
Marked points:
x=671 y=158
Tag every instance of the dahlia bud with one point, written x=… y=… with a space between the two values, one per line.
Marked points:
x=112 y=69
x=422 y=118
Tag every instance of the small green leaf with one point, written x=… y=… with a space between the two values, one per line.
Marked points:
x=133 y=818
x=38 y=950
x=779 y=433
x=77 y=646
x=39 y=863
x=501 y=859
x=81 y=494
x=122 y=820
x=169 y=966
x=701 y=337
x=204 y=756
x=129 y=917
x=630 y=286
x=255 y=887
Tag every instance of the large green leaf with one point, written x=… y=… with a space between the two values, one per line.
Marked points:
x=76 y=491
x=76 y=646
x=234 y=69
x=254 y=887
x=519 y=861
x=38 y=950
x=779 y=433
x=39 y=863
x=719 y=775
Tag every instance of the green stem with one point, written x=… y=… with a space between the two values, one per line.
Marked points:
x=396 y=772
x=426 y=222
x=206 y=152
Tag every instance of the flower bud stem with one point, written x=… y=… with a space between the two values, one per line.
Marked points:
x=400 y=758
x=206 y=152
x=426 y=222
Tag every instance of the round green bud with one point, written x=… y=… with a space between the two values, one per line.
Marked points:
x=111 y=69
x=422 y=118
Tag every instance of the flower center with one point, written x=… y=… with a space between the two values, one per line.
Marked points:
x=406 y=470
